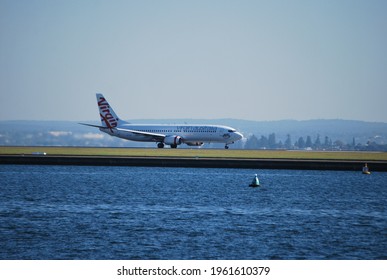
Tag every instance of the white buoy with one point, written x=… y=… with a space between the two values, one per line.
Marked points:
x=255 y=182
x=366 y=170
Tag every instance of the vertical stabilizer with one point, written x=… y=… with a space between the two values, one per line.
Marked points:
x=108 y=117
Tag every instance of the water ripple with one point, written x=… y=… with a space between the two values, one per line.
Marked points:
x=68 y=212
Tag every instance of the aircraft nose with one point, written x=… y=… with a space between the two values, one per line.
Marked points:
x=238 y=135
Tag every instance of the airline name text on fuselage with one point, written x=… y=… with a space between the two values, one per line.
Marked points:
x=196 y=128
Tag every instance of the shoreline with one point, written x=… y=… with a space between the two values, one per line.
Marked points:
x=197 y=162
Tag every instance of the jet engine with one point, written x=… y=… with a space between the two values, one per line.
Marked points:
x=172 y=140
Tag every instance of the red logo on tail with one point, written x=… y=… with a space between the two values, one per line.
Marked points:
x=105 y=113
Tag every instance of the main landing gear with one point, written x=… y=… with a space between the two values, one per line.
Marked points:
x=161 y=145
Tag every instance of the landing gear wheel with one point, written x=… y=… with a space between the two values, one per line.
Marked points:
x=160 y=145
x=226 y=147
x=174 y=146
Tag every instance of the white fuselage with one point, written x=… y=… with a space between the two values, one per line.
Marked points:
x=188 y=133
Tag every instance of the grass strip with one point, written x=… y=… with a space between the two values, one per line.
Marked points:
x=192 y=153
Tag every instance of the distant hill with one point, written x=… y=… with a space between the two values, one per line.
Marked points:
x=64 y=133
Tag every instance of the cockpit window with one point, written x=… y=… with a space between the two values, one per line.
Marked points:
x=231 y=130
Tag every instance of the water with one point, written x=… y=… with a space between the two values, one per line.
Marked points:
x=72 y=212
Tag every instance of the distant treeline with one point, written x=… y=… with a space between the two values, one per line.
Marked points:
x=307 y=143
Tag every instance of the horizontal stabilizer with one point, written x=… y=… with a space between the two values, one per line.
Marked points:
x=93 y=125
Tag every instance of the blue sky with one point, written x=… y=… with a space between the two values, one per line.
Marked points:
x=253 y=60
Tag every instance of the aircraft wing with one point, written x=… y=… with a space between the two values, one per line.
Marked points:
x=156 y=136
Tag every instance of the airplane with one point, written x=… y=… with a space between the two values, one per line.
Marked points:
x=173 y=135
